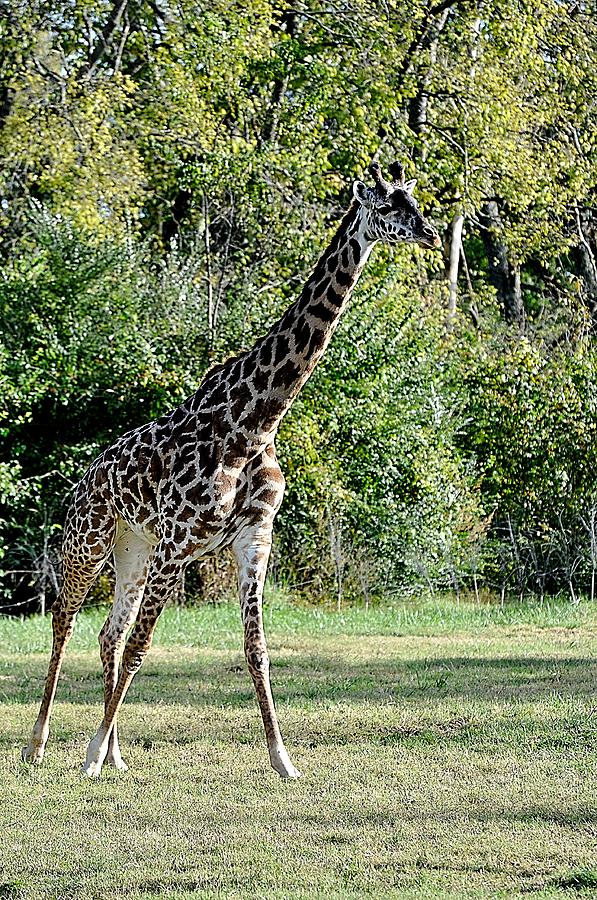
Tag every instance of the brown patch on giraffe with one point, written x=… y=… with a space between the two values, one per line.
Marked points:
x=265 y=353
x=224 y=483
x=302 y=332
x=147 y=491
x=272 y=474
x=242 y=398
x=276 y=408
x=323 y=312
x=156 y=469
x=282 y=348
x=261 y=379
x=356 y=250
x=288 y=373
x=100 y=478
x=251 y=362
x=127 y=498
x=305 y=298
x=343 y=278
x=197 y=494
x=268 y=495
x=334 y=297
x=234 y=374
x=96 y=520
x=187 y=513
x=250 y=417
x=317 y=340
x=175 y=496
x=180 y=535
x=187 y=476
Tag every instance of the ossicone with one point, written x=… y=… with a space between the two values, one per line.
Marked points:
x=383 y=187
x=396 y=171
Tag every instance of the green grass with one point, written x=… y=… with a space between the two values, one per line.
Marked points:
x=447 y=752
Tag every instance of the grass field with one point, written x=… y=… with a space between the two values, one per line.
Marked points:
x=446 y=752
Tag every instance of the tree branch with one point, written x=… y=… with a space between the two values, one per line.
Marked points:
x=107 y=35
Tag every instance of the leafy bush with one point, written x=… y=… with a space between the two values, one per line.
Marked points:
x=531 y=414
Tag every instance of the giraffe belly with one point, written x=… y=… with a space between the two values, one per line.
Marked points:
x=141 y=517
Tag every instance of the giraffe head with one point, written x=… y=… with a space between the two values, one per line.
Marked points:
x=392 y=213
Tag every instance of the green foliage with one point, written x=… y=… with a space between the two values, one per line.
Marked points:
x=543 y=402
x=95 y=341
x=532 y=427
x=168 y=176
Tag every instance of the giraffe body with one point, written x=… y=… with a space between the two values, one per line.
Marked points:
x=206 y=477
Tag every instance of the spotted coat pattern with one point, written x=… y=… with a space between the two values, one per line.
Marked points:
x=205 y=477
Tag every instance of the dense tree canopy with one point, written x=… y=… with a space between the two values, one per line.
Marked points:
x=169 y=172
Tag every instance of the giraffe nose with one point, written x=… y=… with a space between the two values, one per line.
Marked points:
x=431 y=236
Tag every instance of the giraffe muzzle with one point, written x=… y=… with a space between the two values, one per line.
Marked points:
x=429 y=238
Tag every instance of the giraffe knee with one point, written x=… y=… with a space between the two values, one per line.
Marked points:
x=110 y=632
x=132 y=661
x=257 y=659
x=109 y=645
x=63 y=622
x=133 y=656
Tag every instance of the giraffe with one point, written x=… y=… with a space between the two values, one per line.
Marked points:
x=206 y=476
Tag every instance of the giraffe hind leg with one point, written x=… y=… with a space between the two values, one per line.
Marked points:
x=83 y=556
x=132 y=554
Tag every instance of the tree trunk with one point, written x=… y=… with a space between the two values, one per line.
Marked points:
x=290 y=24
x=454 y=262
x=107 y=36
x=504 y=275
x=585 y=258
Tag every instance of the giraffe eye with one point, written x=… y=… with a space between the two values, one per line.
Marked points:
x=385 y=210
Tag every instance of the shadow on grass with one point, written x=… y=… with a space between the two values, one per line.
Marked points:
x=584 y=880
x=579 y=815
x=318 y=678
x=393 y=702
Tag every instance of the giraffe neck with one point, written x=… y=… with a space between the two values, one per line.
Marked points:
x=283 y=360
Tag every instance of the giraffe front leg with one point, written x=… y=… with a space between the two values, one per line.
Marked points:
x=252 y=550
x=162 y=578
x=131 y=558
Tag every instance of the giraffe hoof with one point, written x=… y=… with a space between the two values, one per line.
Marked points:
x=32 y=755
x=281 y=763
x=92 y=770
x=117 y=763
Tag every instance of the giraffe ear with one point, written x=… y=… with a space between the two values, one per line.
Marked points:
x=410 y=185
x=360 y=193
